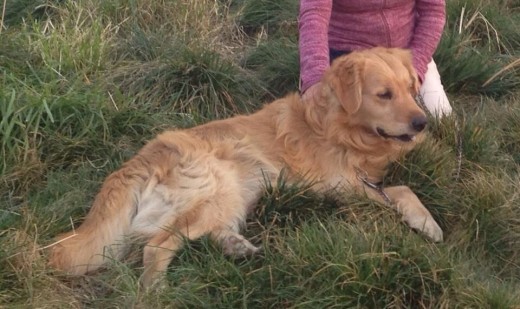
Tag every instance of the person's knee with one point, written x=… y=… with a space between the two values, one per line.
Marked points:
x=433 y=94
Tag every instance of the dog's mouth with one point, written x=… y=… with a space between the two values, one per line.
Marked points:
x=403 y=137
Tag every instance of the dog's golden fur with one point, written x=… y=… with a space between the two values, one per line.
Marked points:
x=204 y=180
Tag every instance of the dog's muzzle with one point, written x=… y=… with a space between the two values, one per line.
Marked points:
x=417 y=125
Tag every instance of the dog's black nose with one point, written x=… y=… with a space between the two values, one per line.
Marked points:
x=419 y=123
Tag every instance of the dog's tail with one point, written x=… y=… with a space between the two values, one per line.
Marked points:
x=101 y=236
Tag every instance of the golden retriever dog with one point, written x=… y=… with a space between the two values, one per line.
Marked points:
x=203 y=181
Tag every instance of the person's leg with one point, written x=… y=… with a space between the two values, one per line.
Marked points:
x=433 y=94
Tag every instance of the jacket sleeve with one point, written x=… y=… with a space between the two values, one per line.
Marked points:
x=313 y=26
x=431 y=17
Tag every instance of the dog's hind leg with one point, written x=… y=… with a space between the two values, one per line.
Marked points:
x=214 y=200
x=158 y=253
x=161 y=248
x=206 y=217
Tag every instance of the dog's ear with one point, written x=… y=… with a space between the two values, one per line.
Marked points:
x=343 y=81
x=405 y=55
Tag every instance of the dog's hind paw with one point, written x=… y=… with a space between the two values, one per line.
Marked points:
x=237 y=245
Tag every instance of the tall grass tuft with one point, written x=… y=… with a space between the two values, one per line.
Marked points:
x=489 y=209
x=276 y=64
x=480 y=48
x=15 y=12
x=195 y=81
x=510 y=129
x=269 y=15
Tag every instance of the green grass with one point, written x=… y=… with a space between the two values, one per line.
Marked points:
x=276 y=64
x=268 y=16
x=84 y=84
x=478 y=52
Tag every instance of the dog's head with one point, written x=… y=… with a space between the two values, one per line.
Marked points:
x=374 y=90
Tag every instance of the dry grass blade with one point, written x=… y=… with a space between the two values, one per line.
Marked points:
x=3 y=16
x=508 y=67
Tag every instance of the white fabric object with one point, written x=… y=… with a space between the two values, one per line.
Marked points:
x=433 y=94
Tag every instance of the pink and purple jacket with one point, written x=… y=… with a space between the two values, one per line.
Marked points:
x=348 y=25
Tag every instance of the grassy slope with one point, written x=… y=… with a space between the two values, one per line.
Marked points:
x=85 y=83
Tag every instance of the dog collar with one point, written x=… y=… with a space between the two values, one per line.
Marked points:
x=378 y=186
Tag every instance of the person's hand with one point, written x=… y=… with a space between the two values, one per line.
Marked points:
x=311 y=94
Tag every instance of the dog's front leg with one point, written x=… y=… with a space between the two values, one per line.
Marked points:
x=410 y=207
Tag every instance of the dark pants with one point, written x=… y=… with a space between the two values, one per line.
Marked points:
x=333 y=54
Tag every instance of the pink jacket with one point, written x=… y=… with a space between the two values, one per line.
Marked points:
x=358 y=24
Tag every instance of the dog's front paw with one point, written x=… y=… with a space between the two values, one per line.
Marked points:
x=425 y=224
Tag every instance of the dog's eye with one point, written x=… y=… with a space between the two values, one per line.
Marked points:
x=387 y=95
